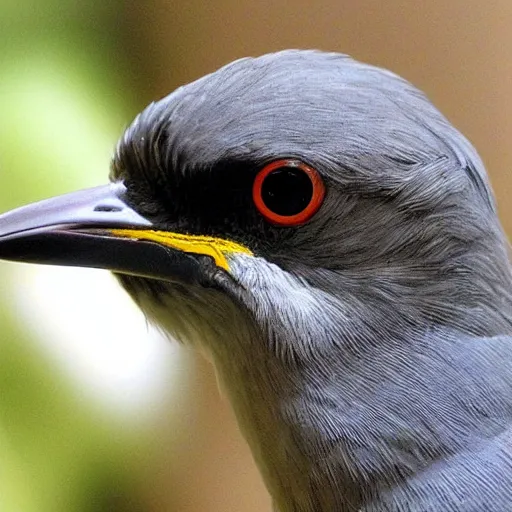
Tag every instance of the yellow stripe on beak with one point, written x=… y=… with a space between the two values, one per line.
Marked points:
x=217 y=248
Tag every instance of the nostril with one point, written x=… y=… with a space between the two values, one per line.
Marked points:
x=107 y=208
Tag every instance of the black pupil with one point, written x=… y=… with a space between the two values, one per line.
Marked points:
x=287 y=191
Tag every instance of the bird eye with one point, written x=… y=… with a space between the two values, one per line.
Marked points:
x=288 y=192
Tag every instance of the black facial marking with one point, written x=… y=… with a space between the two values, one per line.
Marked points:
x=214 y=202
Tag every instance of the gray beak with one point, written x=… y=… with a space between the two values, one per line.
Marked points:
x=85 y=229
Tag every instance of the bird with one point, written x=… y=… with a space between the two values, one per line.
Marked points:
x=331 y=242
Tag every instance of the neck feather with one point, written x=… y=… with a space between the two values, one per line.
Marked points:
x=337 y=433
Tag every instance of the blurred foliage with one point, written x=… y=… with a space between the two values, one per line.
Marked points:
x=63 y=102
x=56 y=450
x=58 y=84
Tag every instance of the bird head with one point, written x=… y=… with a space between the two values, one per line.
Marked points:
x=299 y=216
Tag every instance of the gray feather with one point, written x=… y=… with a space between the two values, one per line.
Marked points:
x=367 y=354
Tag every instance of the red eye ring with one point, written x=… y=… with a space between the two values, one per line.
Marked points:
x=317 y=195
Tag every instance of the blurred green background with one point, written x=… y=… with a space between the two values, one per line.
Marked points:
x=97 y=411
